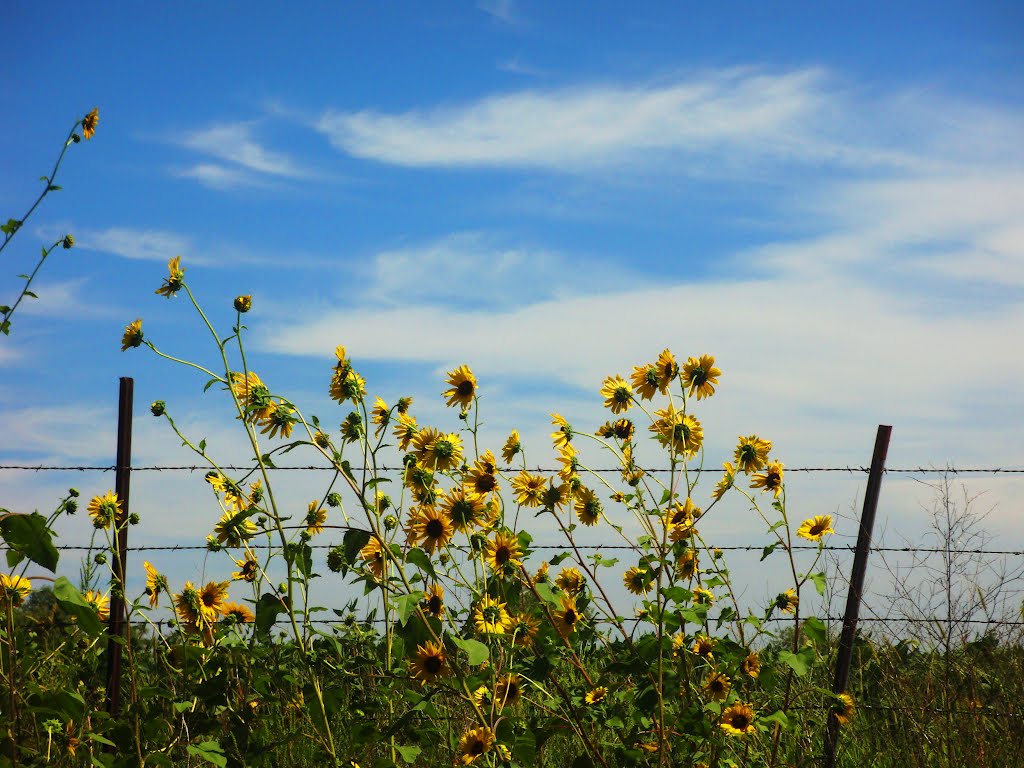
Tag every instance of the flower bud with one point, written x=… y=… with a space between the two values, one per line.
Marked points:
x=390 y=522
x=333 y=499
x=336 y=559
x=158 y=408
x=133 y=518
x=68 y=242
x=243 y=303
x=100 y=559
x=71 y=506
x=73 y=492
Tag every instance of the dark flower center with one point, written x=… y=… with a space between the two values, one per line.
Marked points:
x=502 y=555
x=465 y=388
x=570 y=617
x=740 y=722
x=434 y=528
x=434 y=604
x=432 y=664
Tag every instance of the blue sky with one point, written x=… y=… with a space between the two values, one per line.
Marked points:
x=829 y=200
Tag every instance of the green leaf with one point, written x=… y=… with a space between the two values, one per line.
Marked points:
x=768 y=550
x=209 y=751
x=547 y=594
x=28 y=536
x=815 y=631
x=210 y=383
x=777 y=717
x=31 y=295
x=268 y=608
x=820 y=583
x=409 y=754
x=406 y=605
x=12 y=225
x=421 y=560
x=799 y=662
x=71 y=600
x=477 y=652
x=355 y=539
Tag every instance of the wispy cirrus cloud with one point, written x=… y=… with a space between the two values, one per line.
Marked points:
x=734 y=115
x=242 y=159
x=134 y=243
x=504 y=11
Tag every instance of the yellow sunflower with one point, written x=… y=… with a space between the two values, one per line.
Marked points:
x=189 y=607
x=430 y=528
x=588 y=506
x=752 y=453
x=346 y=384
x=132 y=336
x=249 y=570
x=529 y=489
x=701 y=376
x=562 y=435
x=704 y=647
x=752 y=665
x=567 y=617
x=679 y=519
x=463 y=387
x=436 y=451
x=512 y=447
x=491 y=617
x=482 y=476
x=737 y=720
x=433 y=600
x=524 y=629
x=374 y=558
x=623 y=429
x=508 y=690
x=668 y=369
x=554 y=496
x=105 y=509
x=234 y=497
x=405 y=430
x=645 y=380
x=844 y=708
x=430 y=662
x=571 y=581
x=475 y=742
x=234 y=528
x=703 y=596
x=618 y=395
x=503 y=553
x=770 y=479
x=717 y=686
x=638 y=581
x=464 y=508
x=254 y=397
x=687 y=564
x=13 y=589
x=380 y=415
x=175 y=279
x=728 y=478
x=815 y=528
x=316 y=517
x=569 y=459
x=156 y=583
x=237 y=612
x=787 y=601
x=89 y=123
x=280 y=420
x=677 y=431
x=211 y=599
x=596 y=695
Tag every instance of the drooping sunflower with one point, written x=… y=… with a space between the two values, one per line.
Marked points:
x=280 y=421
x=717 y=686
x=482 y=697
x=679 y=519
x=234 y=528
x=703 y=596
x=618 y=395
x=374 y=558
x=596 y=695
x=13 y=589
x=787 y=601
x=588 y=506
x=727 y=481
x=156 y=583
x=571 y=581
x=687 y=564
x=248 y=570
x=844 y=708
x=430 y=528
x=701 y=376
x=89 y=123
x=463 y=387
x=433 y=600
x=752 y=453
x=554 y=495
x=491 y=617
x=405 y=430
x=770 y=479
x=569 y=459
x=815 y=528
x=234 y=498
x=524 y=629
x=421 y=482
x=529 y=489
x=567 y=617
x=464 y=508
x=638 y=580
x=316 y=517
x=738 y=719
x=475 y=742
x=623 y=429
x=253 y=396
x=100 y=602
x=645 y=380
x=563 y=433
x=211 y=599
x=704 y=647
x=542 y=576
x=668 y=370
x=238 y=613
x=132 y=336
x=380 y=415
x=752 y=665
x=346 y=384
x=106 y=509
x=508 y=690
x=437 y=451
x=678 y=431
x=175 y=279
x=189 y=607
x=503 y=553
x=430 y=663
x=512 y=447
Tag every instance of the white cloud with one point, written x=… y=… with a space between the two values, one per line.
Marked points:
x=235 y=144
x=217 y=176
x=735 y=116
x=61 y=299
x=131 y=243
x=502 y=10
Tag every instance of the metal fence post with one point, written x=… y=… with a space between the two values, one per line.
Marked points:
x=117 y=625
x=853 y=595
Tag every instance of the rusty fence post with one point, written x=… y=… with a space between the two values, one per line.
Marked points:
x=117 y=623
x=853 y=596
